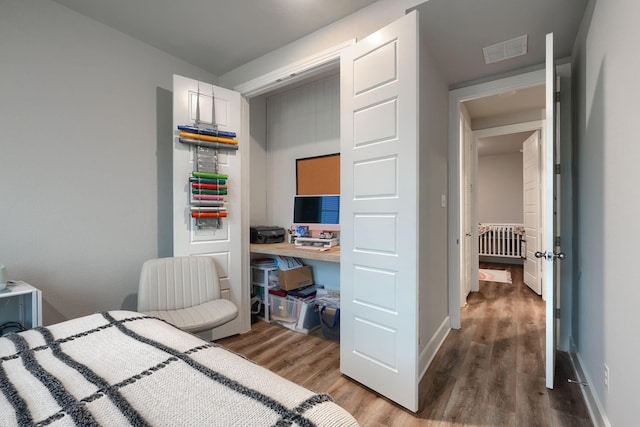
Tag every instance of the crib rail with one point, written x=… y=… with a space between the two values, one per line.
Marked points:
x=501 y=240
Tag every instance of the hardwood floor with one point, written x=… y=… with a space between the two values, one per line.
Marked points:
x=488 y=373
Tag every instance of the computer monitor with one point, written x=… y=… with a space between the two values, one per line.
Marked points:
x=318 y=212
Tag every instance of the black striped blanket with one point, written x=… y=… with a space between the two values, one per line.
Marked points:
x=123 y=368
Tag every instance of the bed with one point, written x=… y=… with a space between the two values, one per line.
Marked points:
x=501 y=240
x=121 y=368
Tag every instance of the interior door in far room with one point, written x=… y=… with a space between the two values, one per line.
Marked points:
x=531 y=210
x=198 y=103
x=378 y=271
x=470 y=263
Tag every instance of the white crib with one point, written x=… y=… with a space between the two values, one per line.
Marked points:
x=501 y=240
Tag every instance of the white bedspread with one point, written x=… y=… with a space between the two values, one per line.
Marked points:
x=123 y=368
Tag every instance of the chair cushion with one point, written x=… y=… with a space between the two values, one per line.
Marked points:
x=201 y=317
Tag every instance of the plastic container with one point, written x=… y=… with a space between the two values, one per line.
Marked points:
x=297 y=315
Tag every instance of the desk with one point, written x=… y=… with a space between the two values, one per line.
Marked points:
x=287 y=249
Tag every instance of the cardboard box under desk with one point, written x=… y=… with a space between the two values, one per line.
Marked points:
x=295 y=278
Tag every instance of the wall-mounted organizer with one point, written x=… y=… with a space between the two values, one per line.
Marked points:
x=207 y=188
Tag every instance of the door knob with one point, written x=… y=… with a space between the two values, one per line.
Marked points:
x=551 y=255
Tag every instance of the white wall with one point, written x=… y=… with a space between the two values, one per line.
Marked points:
x=85 y=156
x=499 y=188
x=606 y=89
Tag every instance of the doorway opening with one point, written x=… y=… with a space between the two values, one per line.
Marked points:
x=487 y=97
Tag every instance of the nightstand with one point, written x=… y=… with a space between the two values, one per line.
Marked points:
x=20 y=302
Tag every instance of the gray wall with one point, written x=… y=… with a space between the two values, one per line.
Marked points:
x=355 y=26
x=85 y=156
x=432 y=184
x=258 y=197
x=301 y=121
x=499 y=188
x=606 y=89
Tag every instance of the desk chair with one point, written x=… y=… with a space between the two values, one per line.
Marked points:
x=184 y=291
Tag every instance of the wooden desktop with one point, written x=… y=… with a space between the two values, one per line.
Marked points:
x=288 y=249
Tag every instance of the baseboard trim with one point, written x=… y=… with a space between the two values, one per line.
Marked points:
x=594 y=406
x=429 y=351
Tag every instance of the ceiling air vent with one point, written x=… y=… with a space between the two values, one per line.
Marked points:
x=505 y=50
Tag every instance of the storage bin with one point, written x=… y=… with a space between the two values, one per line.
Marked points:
x=297 y=315
x=283 y=309
x=330 y=322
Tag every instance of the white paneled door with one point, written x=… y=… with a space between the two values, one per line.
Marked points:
x=531 y=210
x=192 y=101
x=470 y=263
x=379 y=217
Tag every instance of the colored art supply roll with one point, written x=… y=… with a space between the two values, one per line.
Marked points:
x=207 y=197
x=209 y=186
x=213 y=192
x=209 y=175
x=207 y=181
x=208 y=209
x=208 y=214
x=208 y=138
x=206 y=131
x=207 y=144
x=207 y=203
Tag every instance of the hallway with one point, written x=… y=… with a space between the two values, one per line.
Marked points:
x=491 y=371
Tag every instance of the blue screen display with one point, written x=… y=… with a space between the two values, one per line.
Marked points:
x=316 y=209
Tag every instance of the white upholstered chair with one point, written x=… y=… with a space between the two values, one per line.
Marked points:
x=184 y=291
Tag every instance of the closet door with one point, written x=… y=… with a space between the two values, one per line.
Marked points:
x=193 y=100
x=379 y=212
x=550 y=215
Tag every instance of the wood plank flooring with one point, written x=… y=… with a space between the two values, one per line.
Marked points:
x=488 y=373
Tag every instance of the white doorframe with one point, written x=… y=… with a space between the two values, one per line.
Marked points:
x=455 y=214
x=294 y=72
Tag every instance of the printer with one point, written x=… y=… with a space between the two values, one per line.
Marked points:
x=267 y=234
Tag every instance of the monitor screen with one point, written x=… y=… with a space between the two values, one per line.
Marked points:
x=316 y=209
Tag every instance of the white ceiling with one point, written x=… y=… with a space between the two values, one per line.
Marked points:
x=201 y=31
